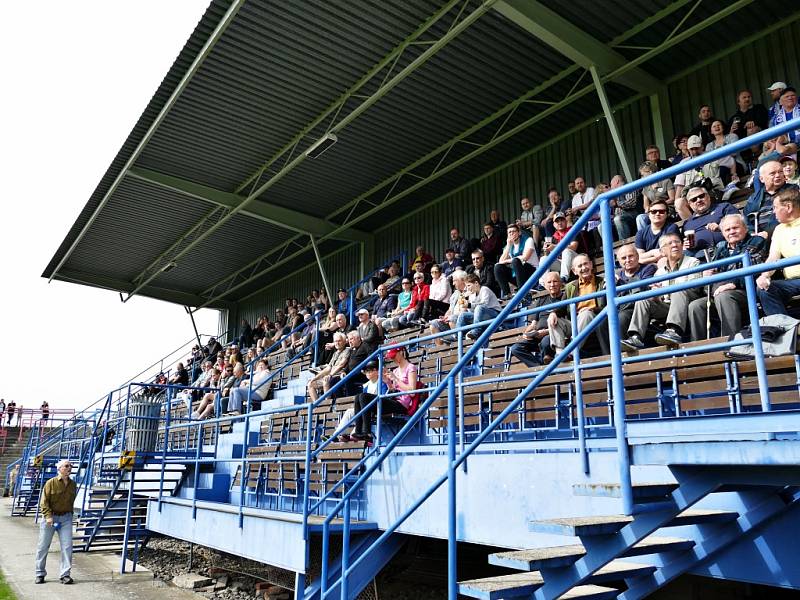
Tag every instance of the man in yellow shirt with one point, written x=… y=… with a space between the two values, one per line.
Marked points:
x=55 y=504
x=785 y=243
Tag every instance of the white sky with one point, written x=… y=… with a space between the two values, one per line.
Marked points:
x=75 y=78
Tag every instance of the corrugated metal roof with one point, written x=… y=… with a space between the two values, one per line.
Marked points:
x=280 y=65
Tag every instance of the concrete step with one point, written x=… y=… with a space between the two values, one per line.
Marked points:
x=610 y=524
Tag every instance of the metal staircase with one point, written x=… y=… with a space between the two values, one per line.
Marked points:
x=581 y=570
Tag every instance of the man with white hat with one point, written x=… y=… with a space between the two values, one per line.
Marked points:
x=775 y=94
x=788 y=110
x=57 y=498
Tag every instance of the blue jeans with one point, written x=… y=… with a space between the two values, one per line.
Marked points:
x=481 y=314
x=773 y=300
x=64 y=539
x=239 y=397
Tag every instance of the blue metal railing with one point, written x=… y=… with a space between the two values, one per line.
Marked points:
x=601 y=205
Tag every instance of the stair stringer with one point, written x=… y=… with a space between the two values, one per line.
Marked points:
x=601 y=550
x=707 y=547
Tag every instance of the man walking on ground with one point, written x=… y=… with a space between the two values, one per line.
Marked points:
x=56 y=502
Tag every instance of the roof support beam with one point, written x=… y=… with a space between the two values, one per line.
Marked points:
x=263 y=211
x=199 y=59
x=612 y=124
x=585 y=50
x=278 y=256
x=322 y=270
x=211 y=223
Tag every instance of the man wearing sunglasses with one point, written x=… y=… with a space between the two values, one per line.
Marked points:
x=647 y=238
x=55 y=504
x=702 y=231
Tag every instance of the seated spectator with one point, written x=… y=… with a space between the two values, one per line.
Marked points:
x=583 y=196
x=774 y=294
x=382 y=307
x=212 y=348
x=674 y=306
x=460 y=246
x=343 y=301
x=491 y=243
x=180 y=376
x=789 y=109
x=206 y=406
x=242 y=394
x=420 y=268
x=358 y=354
x=587 y=282
x=729 y=299
x=626 y=208
x=458 y=304
x=525 y=221
x=327 y=328
x=246 y=334
x=420 y=293
x=375 y=385
x=759 y=207
x=534 y=348
x=679 y=142
x=403 y=379
x=303 y=338
x=775 y=91
x=325 y=377
x=451 y=263
x=663 y=191
x=230 y=380
x=569 y=253
x=518 y=261
x=484 y=271
x=392 y=322
x=555 y=205
x=653 y=154
x=701 y=231
x=747 y=115
x=235 y=355
x=367 y=330
x=329 y=348
x=731 y=167
x=393 y=281
x=631 y=270
x=439 y=294
x=709 y=170
x=498 y=224
x=647 y=239
x=789 y=166
x=703 y=127
x=483 y=306
x=421 y=257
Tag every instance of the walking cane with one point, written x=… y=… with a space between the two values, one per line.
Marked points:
x=755 y=221
x=708 y=299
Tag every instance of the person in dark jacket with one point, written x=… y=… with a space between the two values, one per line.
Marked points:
x=534 y=348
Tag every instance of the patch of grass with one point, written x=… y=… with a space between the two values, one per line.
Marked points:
x=5 y=590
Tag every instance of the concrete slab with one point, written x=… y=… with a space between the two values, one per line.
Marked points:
x=96 y=574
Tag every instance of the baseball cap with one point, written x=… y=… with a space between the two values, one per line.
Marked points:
x=559 y=215
x=392 y=353
x=778 y=85
x=694 y=141
x=362 y=311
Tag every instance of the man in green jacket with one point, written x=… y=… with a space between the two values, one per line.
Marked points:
x=55 y=504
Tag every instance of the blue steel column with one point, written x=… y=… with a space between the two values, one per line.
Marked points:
x=576 y=365
x=617 y=383
x=452 y=541
x=126 y=537
x=345 y=552
x=755 y=328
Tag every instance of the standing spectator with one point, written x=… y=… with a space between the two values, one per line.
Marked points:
x=491 y=242
x=789 y=109
x=484 y=270
x=212 y=348
x=701 y=231
x=583 y=196
x=499 y=225
x=2 y=411
x=525 y=221
x=729 y=299
x=674 y=306
x=246 y=335
x=534 y=348
x=11 y=409
x=45 y=410
x=747 y=115
x=775 y=91
x=459 y=245
x=518 y=261
x=785 y=243
x=703 y=127
x=647 y=239
x=58 y=496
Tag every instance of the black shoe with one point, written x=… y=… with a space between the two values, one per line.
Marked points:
x=67 y=580
x=669 y=337
x=632 y=344
x=39 y=579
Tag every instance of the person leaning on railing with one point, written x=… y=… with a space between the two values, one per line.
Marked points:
x=774 y=294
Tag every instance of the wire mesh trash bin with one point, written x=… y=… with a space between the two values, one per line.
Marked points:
x=142 y=430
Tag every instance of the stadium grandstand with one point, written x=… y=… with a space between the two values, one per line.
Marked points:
x=443 y=240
